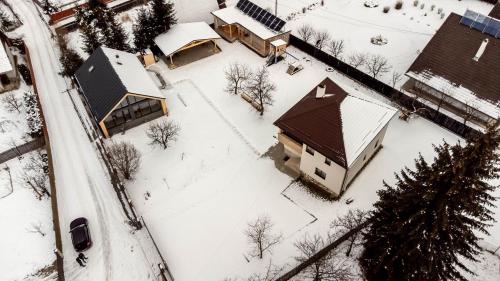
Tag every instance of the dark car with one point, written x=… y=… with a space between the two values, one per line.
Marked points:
x=80 y=234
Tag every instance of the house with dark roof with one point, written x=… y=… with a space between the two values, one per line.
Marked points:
x=459 y=68
x=331 y=134
x=118 y=91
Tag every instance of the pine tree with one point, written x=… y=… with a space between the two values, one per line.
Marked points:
x=143 y=32
x=421 y=226
x=113 y=34
x=69 y=58
x=5 y=22
x=163 y=16
x=85 y=19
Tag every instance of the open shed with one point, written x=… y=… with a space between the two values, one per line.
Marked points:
x=197 y=37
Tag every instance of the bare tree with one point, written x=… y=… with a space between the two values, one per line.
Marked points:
x=260 y=237
x=35 y=174
x=443 y=96
x=396 y=77
x=271 y=273
x=336 y=47
x=328 y=268
x=125 y=158
x=306 y=32
x=237 y=75
x=470 y=112
x=321 y=39
x=357 y=59
x=162 y=133
x=377 y=65
x=11 y=103
x=261 y=88
x=36 y=228
x=346 y=223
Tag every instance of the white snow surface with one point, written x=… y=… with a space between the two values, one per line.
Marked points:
x=132 y=73
x=232 y=15
x=457 y=92
x=182 y=34
x=5 y=65
x=83 y=186
x=362 y=119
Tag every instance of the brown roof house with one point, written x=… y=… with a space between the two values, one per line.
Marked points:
x=330 y=135
x=459 y=69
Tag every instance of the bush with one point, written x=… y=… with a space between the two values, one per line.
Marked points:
x=32 y=115
x=398 y=5
x=386 y=9
x=25 y=73
x=415 y=3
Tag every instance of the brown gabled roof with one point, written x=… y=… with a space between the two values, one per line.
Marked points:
x=495 y=12
x=449 y=54
x=317 y=122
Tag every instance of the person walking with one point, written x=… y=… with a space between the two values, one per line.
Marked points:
x=79 y=261
x=82 y=257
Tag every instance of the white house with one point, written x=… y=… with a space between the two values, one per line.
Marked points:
x=330 y=135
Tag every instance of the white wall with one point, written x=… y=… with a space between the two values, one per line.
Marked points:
x=334 y=173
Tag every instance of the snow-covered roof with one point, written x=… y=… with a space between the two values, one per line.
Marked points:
x=232 y=15
x=182 y=34
x=5 y=65
x=457 y=92
x=279 y=42
x=132 y=73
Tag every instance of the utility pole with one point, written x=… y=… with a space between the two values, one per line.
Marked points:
x=276 y=8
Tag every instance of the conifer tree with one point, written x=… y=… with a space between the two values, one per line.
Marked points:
x=113 y=34
x=143 y=31
x=85 y=19
x=420 y=227
x=5 y=22
x=69 y=58
x=163 y=16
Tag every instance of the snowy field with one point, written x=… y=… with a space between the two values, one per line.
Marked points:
x=407 y=30
x=23 y=252
x=13 y=125
x=213 y=180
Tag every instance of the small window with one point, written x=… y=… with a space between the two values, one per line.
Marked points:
x=320 y=173
x=91 y=68
x=328 y=161
x=309 y=150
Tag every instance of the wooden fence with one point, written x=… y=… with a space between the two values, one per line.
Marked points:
x=389 y=92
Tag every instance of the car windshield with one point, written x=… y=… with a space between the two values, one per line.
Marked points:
x=79 y=235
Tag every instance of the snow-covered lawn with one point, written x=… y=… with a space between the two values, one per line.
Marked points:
x=408 y=30
x=213 y=180
x=13 y=125
x=23 y=252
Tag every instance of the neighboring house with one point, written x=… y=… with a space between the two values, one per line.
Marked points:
x=188 y=42
x=330 y=135
x=8 y=73
x=252 y=25
x=459 y=69
x=118 y=91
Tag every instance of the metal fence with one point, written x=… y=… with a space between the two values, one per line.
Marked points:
x=389 y=92
x=18 y=151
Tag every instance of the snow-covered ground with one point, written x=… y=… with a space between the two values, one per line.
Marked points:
x=407 y=30
x=213 y=179
x=23 y=251
x=13 y=125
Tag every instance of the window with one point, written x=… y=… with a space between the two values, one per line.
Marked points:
x=309 y=150
x=320 y=173
x=328 y=161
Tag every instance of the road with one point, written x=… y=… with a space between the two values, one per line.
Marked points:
x=83 y=187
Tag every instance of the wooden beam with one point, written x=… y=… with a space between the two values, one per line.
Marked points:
x=164 y=107
x=104 y=129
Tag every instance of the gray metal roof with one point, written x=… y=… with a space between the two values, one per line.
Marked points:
x=101 y=85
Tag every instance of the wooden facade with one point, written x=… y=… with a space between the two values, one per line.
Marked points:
x=235 y=31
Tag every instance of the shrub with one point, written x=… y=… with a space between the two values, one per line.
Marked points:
x=422 y=6
x=32 y=115
x=415 y=3
x=386 y=9
x=432 y=7
x=25 y=73
x=398 y=5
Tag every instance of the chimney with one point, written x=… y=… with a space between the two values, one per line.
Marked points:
x=481 y=49
x=320 y=91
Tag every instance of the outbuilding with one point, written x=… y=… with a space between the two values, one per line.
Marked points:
x=118 y=91
x=187 y=42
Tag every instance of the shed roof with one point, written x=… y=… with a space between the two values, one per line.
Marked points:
x=338 y=125
x=232 y=15
x=5 y=65
x=183 y=34
x=108 y=75
x=448 y=57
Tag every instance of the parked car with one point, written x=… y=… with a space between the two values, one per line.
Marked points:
x=80 y=234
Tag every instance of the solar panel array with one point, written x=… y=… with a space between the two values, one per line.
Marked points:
x=261 y=15
x=482 y=23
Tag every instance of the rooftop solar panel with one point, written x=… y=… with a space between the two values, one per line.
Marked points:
x=261 y=15
x=469 y=17
x=256 y=12
x=280 y=25
x=240 y=3
x=493 y=28
x=480 y=23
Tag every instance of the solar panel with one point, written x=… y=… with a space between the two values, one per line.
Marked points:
x=280 y=25
x=270 y=24
x=256 y=12
x=265 y=17
x=240 y=3
x=493 y=28
x=248 y=7
x=480 y=23
x=245 y=5
x=261 y=15
x=469 y=18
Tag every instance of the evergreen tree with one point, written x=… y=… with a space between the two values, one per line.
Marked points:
x=420 y=227
x=143 y=32
x=5 y=21
x=163 y=16
x=113 y=34
x=85 y=19
x=69 y=58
